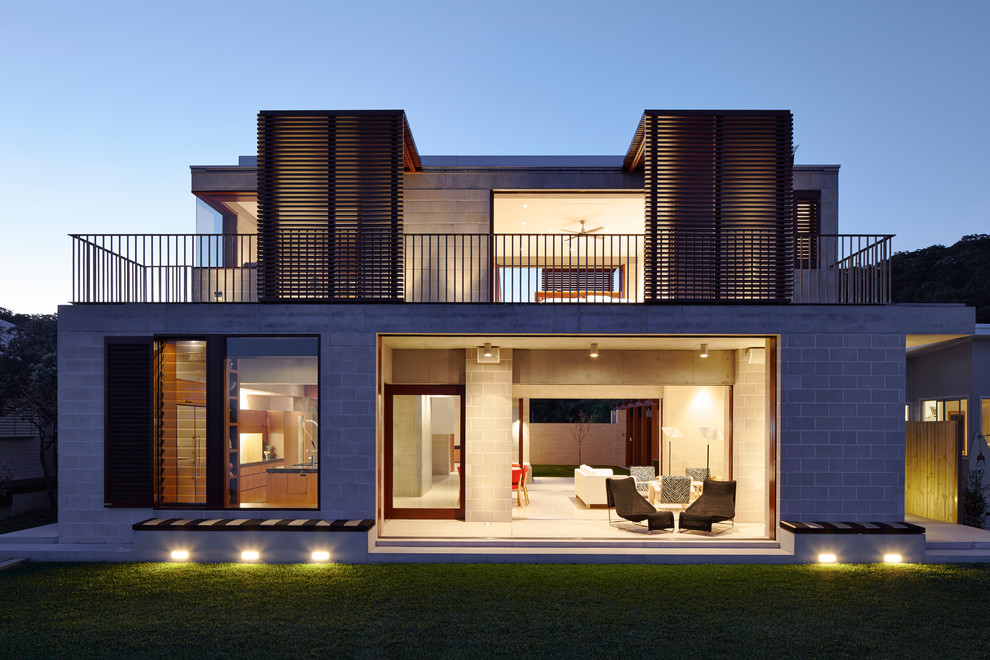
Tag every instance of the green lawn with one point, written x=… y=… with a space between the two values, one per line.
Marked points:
x=492 y=611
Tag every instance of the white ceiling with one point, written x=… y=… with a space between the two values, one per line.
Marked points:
x=617 y=212
x=556 y=342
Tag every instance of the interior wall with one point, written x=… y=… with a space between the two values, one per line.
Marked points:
x=688 y=409
x=750 y=440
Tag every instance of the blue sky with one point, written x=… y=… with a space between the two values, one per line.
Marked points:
x=106 y=104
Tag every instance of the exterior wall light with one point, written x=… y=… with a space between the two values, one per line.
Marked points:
x=321 y=555
x=594 y=350
x=488 y=349
x=704 y=351
x=893 y=558
x=181 y=555
x=250 y=555
x=826 y=558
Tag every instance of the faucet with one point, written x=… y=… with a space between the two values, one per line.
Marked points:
x=312 y=452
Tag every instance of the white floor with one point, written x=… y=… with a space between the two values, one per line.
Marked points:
x=442 y=494
x=554 y=512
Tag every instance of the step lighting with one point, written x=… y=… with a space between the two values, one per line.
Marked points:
x=180 y=554
x=893 y=558
x=321 y=555
x=826 y=558
x=250 y=555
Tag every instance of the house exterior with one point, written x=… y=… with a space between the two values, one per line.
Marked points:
x=355 y=333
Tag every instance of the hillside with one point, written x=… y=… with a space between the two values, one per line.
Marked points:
x=958 y=273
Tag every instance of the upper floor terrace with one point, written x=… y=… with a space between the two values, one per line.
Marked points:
x=705 y=207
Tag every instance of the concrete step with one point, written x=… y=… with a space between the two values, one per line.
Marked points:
x=69 y=551
x=583 y=555
x=957 y=556
x=957 y=545
x=13 y=561
x=32 y=535
x=657 y=542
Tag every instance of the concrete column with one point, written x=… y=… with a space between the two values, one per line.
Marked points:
x=490 y=447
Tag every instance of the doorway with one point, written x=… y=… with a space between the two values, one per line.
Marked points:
x=424 y=449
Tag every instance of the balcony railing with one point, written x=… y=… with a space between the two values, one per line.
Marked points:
x=501 y=268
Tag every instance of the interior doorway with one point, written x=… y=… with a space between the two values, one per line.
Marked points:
x=424 y=446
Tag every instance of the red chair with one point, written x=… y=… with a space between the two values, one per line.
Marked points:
x=519 y=475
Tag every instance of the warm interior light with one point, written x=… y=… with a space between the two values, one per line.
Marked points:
x=321 y=555
x=826 y=558
x=250 y=555
x=594 y=350
x=704 y=350
x=180 y=554
x=488 y=349
x=892 y=558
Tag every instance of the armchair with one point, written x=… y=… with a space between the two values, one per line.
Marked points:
x=717 y=503
x=629 y=504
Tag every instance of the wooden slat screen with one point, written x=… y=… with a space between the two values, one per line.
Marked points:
x=128 y=445
x=931 y=470
x=330 y=205
x=717 y=186
x=578 y=279
x=807 y=227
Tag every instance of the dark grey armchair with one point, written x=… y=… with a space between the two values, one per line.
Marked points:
x=629 y=504
x=716 y=504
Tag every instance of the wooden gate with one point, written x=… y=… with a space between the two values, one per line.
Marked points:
x=931 y=470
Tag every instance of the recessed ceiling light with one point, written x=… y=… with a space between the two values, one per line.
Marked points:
x=525 y=206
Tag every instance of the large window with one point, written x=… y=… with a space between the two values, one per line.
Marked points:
x=253 y=444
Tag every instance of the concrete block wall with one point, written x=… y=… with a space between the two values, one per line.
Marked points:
x=82 y=518
x=842 y=427
x=749 y=440
x=490 y=447
x=553 y=444
x=347 y=406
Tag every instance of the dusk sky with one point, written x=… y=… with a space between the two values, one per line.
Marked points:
x=107 y=104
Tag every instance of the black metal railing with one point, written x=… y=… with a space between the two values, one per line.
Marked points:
x=523 y=268
x=510 y=268
x=164 y=268
x=843 y=269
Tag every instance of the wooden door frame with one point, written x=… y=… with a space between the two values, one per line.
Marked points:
x=420 y=513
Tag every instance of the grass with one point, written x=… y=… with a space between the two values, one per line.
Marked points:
x=487 y=611
x=568 y=470
x=28 y=519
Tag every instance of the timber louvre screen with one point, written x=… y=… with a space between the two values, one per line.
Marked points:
x=330 y=204
x=717 y=188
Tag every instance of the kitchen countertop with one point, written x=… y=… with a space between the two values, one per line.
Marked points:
x=299 y=468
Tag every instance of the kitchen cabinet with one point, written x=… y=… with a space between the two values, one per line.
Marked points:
x=292 y=489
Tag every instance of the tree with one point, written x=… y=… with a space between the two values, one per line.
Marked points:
x=959 y=273
x=580 y=428
x=29 y=383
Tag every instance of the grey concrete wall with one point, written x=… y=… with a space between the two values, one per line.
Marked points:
x=842 y=389
x=842 y=426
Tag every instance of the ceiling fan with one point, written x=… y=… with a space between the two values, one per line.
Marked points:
x=584 y=231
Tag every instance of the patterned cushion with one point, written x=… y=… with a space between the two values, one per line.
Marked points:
x=675 y=490
x=643 y=474
x=697 y=474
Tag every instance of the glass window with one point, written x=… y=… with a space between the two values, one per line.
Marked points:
x=180 y=423
x=272 y=424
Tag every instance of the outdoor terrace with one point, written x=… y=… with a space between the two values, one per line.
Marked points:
x=719 y=266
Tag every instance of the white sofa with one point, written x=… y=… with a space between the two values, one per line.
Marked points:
x=589 y=485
